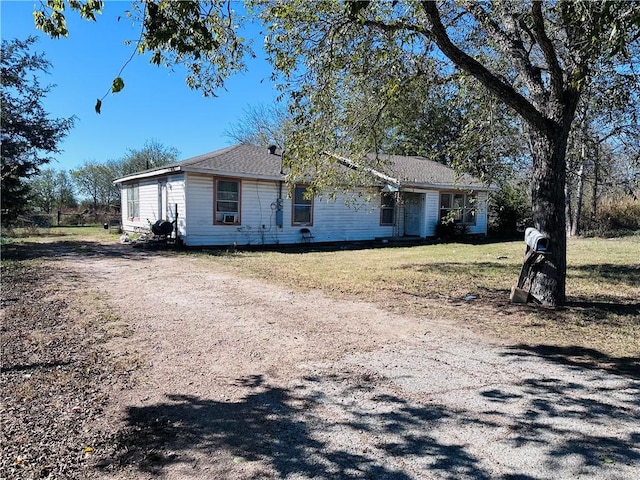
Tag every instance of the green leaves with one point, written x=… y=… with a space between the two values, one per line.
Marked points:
x=52 y=21
x=29 y=134
x=118 y=85
x=353 y=8
x=55 y=25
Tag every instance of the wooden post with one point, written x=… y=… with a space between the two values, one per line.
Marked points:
x=518 y=293
x=176 y=224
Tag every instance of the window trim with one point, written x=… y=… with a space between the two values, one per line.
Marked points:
x=294 y=204
x=465 y=209
x=238 y=213
x=385 y=208
x=130 y=188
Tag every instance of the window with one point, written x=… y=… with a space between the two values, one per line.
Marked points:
x=387 y=208
x=133 y=202
x=302 y=207
x=227 y=202
x=458 y=207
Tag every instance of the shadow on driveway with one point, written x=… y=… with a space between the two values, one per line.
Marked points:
x=341 y=426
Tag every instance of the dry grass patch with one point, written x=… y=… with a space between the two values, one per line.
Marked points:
x=58 y=234
x=603 y=286
x=55 y=373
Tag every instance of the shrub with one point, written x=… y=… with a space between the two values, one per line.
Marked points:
x=509 y=210
x=615 y=217
x=447 y=229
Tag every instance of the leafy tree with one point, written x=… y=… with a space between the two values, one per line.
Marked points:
x=602 y=146
x=343 y=64
x=345 y=61
x=509 y=209
x=29 y=136
x=52 y=190
x=94 y=181
x=457 y=125
x=153 y=154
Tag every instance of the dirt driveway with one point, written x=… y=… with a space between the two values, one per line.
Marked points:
x=242 y=379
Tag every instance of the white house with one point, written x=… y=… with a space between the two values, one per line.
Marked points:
x=238 y=195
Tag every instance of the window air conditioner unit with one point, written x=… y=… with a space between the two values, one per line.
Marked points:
x=229 y=218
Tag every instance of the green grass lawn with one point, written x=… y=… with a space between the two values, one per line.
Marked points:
x=92 y=233
x=599 y=269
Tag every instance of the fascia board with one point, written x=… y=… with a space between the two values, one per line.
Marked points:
x=141 y=175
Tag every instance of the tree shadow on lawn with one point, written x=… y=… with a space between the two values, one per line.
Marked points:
x=628 y=275
x=590 y=309
x=75 y=249
x=333 y=426
x=607 y=273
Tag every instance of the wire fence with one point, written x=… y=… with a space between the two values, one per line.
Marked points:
x=63 y=219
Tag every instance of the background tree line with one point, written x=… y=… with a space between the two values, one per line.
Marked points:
x=30 y=137
x=90 y=186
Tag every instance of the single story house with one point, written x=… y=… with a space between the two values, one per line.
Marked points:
x=238 y=195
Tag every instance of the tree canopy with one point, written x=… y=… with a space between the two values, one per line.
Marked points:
x=152 y=154
x=29 y=136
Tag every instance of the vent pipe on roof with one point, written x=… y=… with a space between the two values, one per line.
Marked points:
x=272 y=149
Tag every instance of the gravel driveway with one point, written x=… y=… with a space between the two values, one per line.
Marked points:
x=242 y=379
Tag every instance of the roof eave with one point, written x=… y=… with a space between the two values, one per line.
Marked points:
x=447 y=186
x=232 y=174
x=148 y=174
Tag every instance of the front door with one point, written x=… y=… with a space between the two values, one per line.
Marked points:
x=413 y=213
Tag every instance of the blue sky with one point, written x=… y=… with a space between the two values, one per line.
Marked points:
x=156 y=103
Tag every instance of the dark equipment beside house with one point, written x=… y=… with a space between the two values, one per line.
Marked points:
x=162 y=228
x=113 y=224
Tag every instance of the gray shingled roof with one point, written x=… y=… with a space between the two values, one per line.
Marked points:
x=244 y=160
x=250 y=161
x=418 y=171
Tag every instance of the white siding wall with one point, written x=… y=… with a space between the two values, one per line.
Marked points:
x=148 y=198
x=432 y=212
x=176 y=198
x=481 y=215
x=336 y=221
x=332 y=221
x=148 y=204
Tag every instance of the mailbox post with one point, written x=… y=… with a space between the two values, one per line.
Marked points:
x=538 y=245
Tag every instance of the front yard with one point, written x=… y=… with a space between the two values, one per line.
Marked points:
x=120 y=362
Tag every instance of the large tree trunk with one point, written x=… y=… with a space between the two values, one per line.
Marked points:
x=548 y=278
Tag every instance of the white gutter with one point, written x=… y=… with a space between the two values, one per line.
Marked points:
x=153 y=173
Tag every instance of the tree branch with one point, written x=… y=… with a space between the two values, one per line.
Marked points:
x=511 y=47
x=467 y=63
x=555 y=71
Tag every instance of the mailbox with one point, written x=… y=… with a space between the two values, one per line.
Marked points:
x=535 y=240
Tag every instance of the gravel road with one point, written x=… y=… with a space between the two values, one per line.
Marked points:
x=243 y=379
